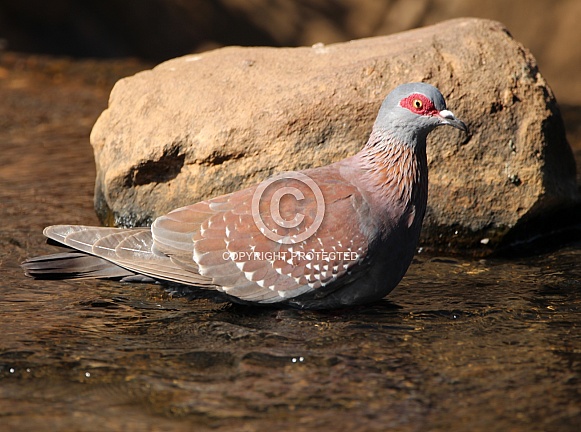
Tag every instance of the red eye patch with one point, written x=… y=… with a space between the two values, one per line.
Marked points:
x=419 y=104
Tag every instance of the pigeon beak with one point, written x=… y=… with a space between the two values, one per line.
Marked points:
x=448 y=118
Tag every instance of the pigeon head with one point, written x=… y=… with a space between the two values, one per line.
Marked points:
x=413 y=110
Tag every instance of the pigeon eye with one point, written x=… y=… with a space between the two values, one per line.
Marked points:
x=418 y=104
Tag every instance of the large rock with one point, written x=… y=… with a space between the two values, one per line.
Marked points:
x=204 y=125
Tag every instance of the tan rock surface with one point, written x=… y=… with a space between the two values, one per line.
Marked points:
x=203 y=125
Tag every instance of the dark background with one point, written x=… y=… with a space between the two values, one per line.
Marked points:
x=156 y=30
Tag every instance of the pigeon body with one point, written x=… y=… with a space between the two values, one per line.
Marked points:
x=321 y=238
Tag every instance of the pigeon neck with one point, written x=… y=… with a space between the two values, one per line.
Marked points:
x=395 y=173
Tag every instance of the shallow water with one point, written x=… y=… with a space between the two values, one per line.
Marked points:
x=468 y=345
x=460 y=344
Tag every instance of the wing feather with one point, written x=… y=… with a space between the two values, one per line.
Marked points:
x=231 y=250
x=219 y=244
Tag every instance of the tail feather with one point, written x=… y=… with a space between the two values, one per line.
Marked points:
x=102 y=253
x=72 y=265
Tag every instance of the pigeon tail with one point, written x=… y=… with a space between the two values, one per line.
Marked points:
x=73 y=265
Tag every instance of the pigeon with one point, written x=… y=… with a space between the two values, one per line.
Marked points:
x=322 y=238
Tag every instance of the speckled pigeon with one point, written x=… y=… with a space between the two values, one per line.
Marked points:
x=328 y=237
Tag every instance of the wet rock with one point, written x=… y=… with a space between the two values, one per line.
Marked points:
x=203 y=125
